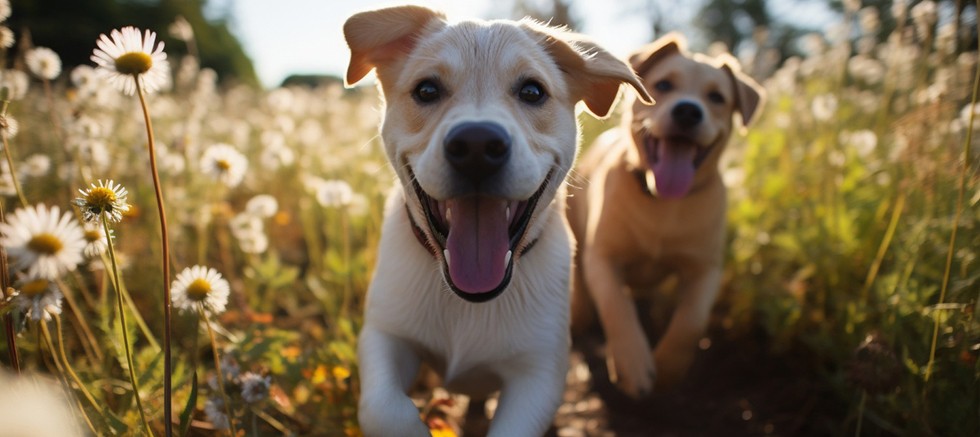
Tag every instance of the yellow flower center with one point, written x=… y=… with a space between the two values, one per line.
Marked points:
x=100 y=199
x=222 y=165
x=199 y=289
x=92 y=236
x=134 y=63
x=35 y=287
x=45 y=244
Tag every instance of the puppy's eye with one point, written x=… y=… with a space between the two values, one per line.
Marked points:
x=663 y=85
x=427 y=91
x=531 y=92
x=716 y=97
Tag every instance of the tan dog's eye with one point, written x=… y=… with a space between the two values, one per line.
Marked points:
x=663 y=85
x=427 y=91
x=716 y=97
x=532 y=92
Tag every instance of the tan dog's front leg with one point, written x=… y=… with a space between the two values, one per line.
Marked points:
x=629 y=361
x=675 y=351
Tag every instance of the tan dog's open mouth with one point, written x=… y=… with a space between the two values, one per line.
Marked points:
x=674 y=161
x=477 y=236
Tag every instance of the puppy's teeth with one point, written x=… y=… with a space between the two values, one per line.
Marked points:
x=449 y=215
x=445 y=253
x=507 y=257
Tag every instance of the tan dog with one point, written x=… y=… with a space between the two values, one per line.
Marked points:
x=475 y=255
x=654 y=206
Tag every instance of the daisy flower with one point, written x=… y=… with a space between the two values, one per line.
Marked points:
x=225 y=164
x=128 y=55
x=103 y=197
x=200 y=285
x=42 y=242
x=334 y=193
x=262 y=205
x=43 y=62
x=96 y=241
x=39 y=298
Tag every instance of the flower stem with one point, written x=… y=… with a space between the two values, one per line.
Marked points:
x=8 y=319
x=125 y=332
x=60 y=351
x=956 y=222
x=864 y=399
x=10 y=165
x=165 y=255
x=217 y=368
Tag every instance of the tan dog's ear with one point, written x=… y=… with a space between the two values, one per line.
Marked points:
x=383 y=36
x=595 y=75
x=749 y=94
x=649 y=55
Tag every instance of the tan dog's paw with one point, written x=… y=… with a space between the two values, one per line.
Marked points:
x=631 y=366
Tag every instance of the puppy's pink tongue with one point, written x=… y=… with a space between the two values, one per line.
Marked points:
x=674 y=170
x=478 y=242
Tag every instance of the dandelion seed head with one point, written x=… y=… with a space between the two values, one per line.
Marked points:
x=9 y=126
x=262 y=205
x=36 y=165
x=6 y=37
x=43 y=62
x=14 y=84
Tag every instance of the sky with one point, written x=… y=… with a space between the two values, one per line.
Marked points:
x=285 y=37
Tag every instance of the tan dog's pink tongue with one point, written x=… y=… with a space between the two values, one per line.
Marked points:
x=674 y=170
x=478 y=242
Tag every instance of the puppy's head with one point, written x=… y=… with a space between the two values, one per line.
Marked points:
x=480 y=127
x=681 y=137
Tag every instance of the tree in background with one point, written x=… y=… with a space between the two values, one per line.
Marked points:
x=70 y=27
x=554 y=12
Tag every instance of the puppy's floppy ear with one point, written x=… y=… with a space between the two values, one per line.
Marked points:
x=385 y=36
x=649 y=55
x=748 y=93
x=594 y=74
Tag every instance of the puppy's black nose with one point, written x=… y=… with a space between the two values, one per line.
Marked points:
x=687 y=114
x=477 y=150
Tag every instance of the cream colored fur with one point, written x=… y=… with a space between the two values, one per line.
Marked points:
x=517 y=342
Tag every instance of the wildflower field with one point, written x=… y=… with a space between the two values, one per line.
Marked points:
x=854 y=242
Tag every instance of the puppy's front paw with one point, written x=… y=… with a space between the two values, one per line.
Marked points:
x=388 y=415
x=631 y=366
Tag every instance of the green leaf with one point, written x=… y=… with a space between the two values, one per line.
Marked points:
x=185 y=415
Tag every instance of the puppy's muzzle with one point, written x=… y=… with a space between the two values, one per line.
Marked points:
x=477 y=150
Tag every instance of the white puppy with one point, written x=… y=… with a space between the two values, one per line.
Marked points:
x=473 y=269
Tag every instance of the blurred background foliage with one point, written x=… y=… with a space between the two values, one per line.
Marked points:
x=69 y=26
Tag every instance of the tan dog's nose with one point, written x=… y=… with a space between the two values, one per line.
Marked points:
x=687 y=114
x=477 y=150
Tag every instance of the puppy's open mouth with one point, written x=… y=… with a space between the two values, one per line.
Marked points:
x=478 y=237
x=674 y=160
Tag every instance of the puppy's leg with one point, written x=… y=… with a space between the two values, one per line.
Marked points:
x=530 y=396
x=388 y=367
x=632 y=366
x=698 y=288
